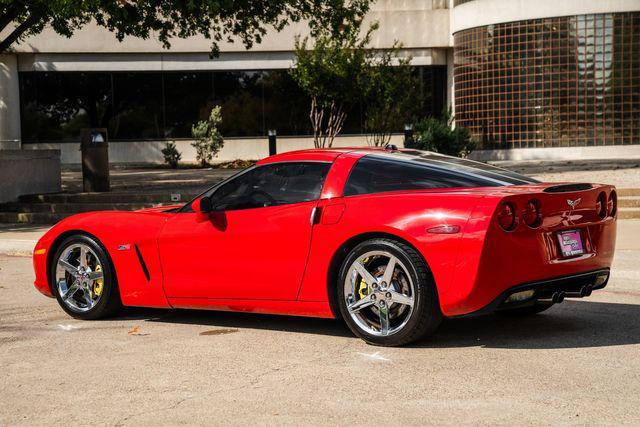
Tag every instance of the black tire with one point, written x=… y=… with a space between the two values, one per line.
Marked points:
x=426 y=315
x=526 y=311
x=109 y=302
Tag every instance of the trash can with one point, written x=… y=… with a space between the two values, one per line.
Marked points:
x=95 y=160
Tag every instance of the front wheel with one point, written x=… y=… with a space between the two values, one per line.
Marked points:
x=83 y=279
x=386 y=293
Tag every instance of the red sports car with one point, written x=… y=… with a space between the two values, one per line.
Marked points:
x=390 y=240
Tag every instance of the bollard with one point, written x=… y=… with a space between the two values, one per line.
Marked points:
x=272 y=141
x=408 y=134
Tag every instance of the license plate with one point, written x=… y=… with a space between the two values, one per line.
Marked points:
x=570 y=243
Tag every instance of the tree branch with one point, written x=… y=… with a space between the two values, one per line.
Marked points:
x=18 y=32
x=8 y=16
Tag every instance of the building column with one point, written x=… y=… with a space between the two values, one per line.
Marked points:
x=9 y=103
x=451 y=94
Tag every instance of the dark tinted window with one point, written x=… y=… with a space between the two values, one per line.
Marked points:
x=165 y=105
x=378 y=173
x=272 y=185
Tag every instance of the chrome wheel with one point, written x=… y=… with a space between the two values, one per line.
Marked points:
x=379 y=293
x=79 y=277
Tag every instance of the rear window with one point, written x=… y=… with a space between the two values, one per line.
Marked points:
x=399 y=171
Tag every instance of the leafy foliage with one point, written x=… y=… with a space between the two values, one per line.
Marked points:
x=216 y=20
x=330 y=73
x=391 y=94
x=171 y=154
x=208 y=138
x=439 y=135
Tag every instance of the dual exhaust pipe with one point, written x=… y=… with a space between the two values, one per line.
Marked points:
x=559 y=296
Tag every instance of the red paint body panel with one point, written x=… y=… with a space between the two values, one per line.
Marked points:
x=245 y=254
x=277 y=259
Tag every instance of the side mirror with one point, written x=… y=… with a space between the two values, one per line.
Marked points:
x=202 y=205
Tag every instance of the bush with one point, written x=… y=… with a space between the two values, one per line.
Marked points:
x=438 y=135
x=171 y=154
x=208 y=138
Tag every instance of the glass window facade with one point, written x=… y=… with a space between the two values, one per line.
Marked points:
x=164 y=105
x=567 y=81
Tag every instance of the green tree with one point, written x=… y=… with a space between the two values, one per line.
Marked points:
x=208 y=138
x=391 y=94
x=330 y=73
x=217 y=20
x=439 y=135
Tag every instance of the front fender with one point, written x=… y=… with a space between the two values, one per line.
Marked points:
x=129 y=238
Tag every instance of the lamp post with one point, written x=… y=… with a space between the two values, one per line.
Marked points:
x=408 y=133
x=272 y=141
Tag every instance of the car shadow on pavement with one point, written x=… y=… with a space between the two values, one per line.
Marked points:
x=573 y=324
x=226 y=319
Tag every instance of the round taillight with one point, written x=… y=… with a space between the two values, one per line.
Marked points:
x=507 y=216
x=601 y=205
x=532 y=215
x=612 y=204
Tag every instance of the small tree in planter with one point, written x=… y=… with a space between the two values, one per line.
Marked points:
x=171 y=154
x=208 y=138
x=331 y=74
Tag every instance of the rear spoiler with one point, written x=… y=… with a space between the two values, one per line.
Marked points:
x=566 y=188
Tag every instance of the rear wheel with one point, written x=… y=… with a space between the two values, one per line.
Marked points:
x=83 y=279
x=386 y=293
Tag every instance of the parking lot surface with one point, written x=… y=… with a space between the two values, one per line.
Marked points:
x=578 y=363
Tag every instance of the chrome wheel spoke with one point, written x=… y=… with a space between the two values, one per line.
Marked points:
x=83 y=256
x=366 y=276
x=399 y=298
x=360 y=304
x=388 y=271
x=67 y=266
x=95 y=275
x=71 y=290
x=383 y=312
x=87 y=298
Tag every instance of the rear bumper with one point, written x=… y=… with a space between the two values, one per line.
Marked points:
x=544 y=289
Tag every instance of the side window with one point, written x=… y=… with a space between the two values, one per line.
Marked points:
x=375 y=175
x=272 y=185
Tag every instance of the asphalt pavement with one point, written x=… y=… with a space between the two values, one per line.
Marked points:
x=578 y=363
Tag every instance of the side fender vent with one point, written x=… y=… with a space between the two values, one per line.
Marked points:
x=142 y=263
x=566 y=188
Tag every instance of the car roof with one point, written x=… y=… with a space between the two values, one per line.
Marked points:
x=318 y=154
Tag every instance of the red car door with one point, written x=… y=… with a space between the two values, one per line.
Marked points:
x=255 y=245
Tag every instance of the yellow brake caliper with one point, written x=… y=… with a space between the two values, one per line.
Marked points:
x=97 y=284
x=363 y=288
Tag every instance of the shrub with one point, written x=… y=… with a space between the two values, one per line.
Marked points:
x=439 y=135
x=171 y=154
x=208 y=138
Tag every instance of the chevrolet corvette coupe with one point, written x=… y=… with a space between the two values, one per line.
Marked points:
x=389 y=240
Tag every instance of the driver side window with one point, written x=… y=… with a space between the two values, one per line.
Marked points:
x=272 y=185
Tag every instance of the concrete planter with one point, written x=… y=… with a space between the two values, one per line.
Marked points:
x=28 y=172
